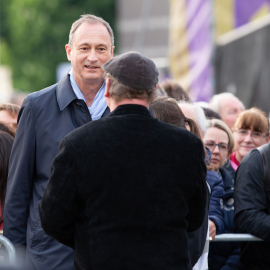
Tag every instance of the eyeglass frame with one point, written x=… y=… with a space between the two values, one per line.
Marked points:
x=251 y=133
x=218 y=145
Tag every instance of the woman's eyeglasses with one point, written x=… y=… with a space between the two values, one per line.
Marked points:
x=253 y=134
x=221 y=146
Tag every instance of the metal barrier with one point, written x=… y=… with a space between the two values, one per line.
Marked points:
x=236 y=237
x=10 y=249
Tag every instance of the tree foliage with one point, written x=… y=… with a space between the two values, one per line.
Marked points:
x=34 y=34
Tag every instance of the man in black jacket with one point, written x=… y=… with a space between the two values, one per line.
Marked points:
x=125 y=189
x=251 y=211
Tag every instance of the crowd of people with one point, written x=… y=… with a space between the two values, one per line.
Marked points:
x=108 y=169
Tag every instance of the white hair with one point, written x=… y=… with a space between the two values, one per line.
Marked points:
x=200 y=116
x=214 y=103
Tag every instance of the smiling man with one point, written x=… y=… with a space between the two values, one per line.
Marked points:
x=45 y=118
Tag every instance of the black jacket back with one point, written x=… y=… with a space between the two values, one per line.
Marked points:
x=124 y=191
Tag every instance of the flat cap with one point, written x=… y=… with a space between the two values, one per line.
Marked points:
x=134 y=70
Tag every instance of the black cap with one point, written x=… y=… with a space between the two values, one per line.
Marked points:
x=134 y=70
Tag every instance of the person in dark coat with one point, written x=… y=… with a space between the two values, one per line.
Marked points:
x=251 y=211
x=167 y=110
x=45 y=118
x=122 y=193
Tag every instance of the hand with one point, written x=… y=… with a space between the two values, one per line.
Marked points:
x=212 y=230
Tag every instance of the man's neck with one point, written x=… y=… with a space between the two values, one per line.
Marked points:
x=89 y=91
x=126 y=101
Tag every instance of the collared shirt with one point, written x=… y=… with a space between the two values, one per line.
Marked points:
x=99 y=104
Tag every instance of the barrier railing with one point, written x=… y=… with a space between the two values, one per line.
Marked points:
x=226 y=237
x=9 y=248
x=236 y=237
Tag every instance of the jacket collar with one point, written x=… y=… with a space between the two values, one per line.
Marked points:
x=131 y=109
x=64 y=92
x=227 y=182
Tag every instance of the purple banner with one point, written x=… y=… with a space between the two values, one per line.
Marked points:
x=199 y=19
x=245 y=9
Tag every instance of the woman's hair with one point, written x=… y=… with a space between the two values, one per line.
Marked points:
x=199 y=114
x=6 y=142
x=253 y=119
x=174 y=90
x=166 y=109
x=222 y=126
x=4 y=127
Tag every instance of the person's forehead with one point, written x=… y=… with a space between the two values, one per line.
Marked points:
x=95 y=32
x=215 y=132
x=231 y=102
x=5 y=116
x=188 y=111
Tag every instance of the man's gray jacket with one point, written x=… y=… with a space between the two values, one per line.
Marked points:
x=45 y=118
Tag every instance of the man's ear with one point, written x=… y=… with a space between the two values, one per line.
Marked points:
x=267 y=139
x=112 y=51
x=108 y=85
x=68 y=51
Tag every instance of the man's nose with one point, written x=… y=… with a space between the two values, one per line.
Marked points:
x=92 y=57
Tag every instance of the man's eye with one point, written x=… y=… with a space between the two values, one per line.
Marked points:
x=83 y=48
x=101 y=49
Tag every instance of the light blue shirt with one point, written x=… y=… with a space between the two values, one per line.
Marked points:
x=99 y=104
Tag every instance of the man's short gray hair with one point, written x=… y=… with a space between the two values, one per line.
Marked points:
x=200 y=116
x=91 y=19
x=119 y=91
x=214 y=103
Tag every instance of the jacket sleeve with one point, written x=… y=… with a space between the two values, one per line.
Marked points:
x=250 y=198
x=58 y=208
x=199 y=201
x=215 y=211
x=20 y=178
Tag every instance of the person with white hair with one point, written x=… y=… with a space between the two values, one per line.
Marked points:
x=228 y=106
x=196 y=113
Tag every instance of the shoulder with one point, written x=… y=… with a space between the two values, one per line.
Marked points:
x=253 y=158
x=251 y=165
x=37 y=96
x=36 y=101
x=249 y=175
x=216 y=184
x=213 y=178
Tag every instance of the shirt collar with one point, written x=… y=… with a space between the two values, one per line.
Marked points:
x=98 y=106
x=75 y=86
x=64 y=92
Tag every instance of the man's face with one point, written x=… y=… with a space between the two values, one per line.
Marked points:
x=10 y=121
x=91 y=48
x=230 y=108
